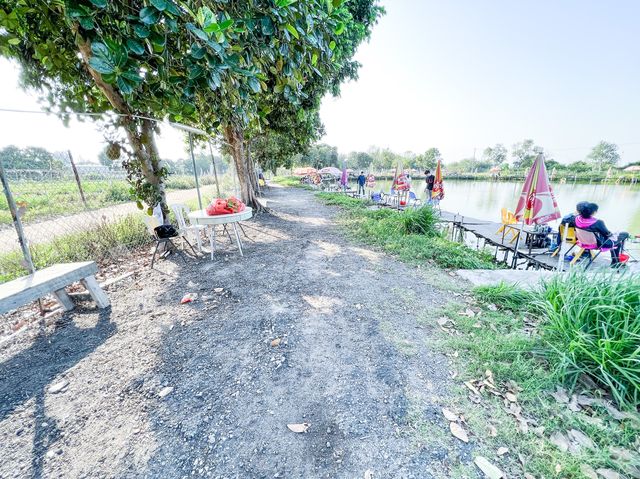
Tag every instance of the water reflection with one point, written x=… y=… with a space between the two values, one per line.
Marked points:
x=619 y=204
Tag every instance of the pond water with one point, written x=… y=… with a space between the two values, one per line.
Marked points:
x=619 y=204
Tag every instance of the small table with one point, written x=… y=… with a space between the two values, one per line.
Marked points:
x=201 y=217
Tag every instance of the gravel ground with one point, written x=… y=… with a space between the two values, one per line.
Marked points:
x=153 y=388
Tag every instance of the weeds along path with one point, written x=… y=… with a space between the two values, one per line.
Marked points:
x=43 y=231
x=153 y=388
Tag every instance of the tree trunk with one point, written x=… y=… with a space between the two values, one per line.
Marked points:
x=140 y=133
x=235 y=138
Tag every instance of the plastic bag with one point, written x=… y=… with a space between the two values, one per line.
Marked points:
x=229 y=206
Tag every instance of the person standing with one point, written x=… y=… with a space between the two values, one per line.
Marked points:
x=430 y=180
x=361 y=181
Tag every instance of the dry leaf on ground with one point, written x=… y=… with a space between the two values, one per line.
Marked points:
x=588 y=471
x=489 y=470
x=608 y=474
x=511 y=397
x=493 y=432
x=581 y=439
x=218 y=290
x=467 y=312
x=502 y=451
x=473 y=389
x=450 y=415
x=560 y=440
x=276 y=342
x=458 y=431
x=302 y=427
x=560 y=395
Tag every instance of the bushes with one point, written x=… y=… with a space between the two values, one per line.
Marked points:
x=592 y=326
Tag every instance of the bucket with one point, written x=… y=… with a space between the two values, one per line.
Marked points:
x=623 y=257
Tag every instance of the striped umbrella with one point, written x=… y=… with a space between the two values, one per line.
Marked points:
x=537 y=203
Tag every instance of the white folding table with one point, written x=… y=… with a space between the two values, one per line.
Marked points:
x=201 y=217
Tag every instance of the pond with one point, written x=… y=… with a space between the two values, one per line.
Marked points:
x=619 y=204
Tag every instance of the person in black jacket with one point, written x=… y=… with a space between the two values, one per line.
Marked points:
x=605 y=239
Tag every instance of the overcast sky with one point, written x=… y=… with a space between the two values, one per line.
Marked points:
x=458 y=75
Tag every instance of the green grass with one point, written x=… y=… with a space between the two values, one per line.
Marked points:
x=290 y=181
x=592 y=326
x=57 y=198
x=498 y=341
x=411 y=235
x=102 y=242
x=505 y=296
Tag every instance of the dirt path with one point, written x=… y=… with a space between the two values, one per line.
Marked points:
x=46 y=230
x=355 y=361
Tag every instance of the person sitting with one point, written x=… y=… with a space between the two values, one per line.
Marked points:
x=605 y=239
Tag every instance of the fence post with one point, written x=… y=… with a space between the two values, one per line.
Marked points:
x=15 y=214
x=75 y=173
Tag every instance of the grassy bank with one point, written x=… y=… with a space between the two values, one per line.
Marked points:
x=412 y=235
x=551 y=375
x=102 y=242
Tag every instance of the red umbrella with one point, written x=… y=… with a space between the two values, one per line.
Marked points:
x=537 y=203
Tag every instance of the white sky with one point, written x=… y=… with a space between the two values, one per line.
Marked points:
x=461 y=75
x=47 y=131
x=458 y=75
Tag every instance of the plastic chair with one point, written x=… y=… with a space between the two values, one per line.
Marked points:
x=182 y=214
x=569 y=238
x=507 y=219
x=152 y=223
x=587 y=241
x=414 y=200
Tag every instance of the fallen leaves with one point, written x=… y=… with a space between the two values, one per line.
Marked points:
x=502 y=451
x=299 y=427
x=276 y=342
x=467 y=312
x=450 y=415
x=488 y=469
x=458 y=431
x=608 y=473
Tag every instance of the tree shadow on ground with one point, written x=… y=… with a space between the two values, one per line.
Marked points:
x=27 y=374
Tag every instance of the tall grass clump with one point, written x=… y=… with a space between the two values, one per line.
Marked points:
x=591 y=326
x=505 y=296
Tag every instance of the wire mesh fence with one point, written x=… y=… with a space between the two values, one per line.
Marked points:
x=87 y=212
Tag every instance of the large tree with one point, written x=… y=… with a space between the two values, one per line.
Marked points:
x=29 y=158
x=429 y=159
x=204 y=63
x=524 y=153
x=604 y=155
x=496 y=155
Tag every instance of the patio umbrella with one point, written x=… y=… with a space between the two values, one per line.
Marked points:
x=537 y=203
x=438 y=186
x=400 y=180
x=330 y=170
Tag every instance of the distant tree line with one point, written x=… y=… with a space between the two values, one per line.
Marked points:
x=496 y=158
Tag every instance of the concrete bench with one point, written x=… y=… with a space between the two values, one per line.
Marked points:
x=53 y=279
